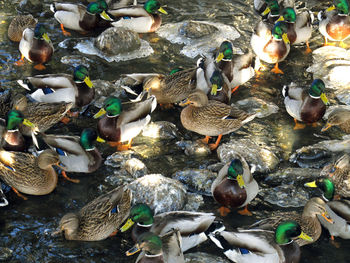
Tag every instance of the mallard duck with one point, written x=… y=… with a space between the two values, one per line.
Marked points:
x=28 y=174
x=158 y=249
x=80 y=18
x=308 y=220
x=193 y=226
x=335 y=22
x=262 y=6
x=77 y=89
x=42 y=115
x=35 y=46
x=299 y=26
x=12 y=138
x=138 y=18
x=271 y=46
x=303 y=105
x=257 y=245
x=269 y=10
x=77 y=154
x=124 y=122
x=235 y=186
x=211 y=117
x=99 y=219
x=18 y=25
x=340 y=118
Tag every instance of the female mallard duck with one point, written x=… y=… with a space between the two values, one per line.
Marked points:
x=158 y=249
x=77 y=89
x=303 y=105
x=99 y=219
x=12 y=138
x=28 y=174
x=211 y=117
x=235 y=187
x=314 y=209
x=77 y=154
x=193 y=226
x=271 y=46
x=42 y=115
x=335 y=22
x=80 y=18
x=124 y=122
x=338 y=117
x=257 y=245
x=138 y=18
x=18 y=25
x=35 y=46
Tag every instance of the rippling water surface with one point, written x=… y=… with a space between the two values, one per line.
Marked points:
x=25 y=226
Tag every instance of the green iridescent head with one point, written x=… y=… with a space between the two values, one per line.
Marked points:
x=152 y=6
x=272 y=8
x=94 y=8
x=80 y=73
x=317 y=89
x=40 y=32
x=280 y=30
x=289 y=15
x=103 y=4
x=87 y=138
x=342 y=6
x=287 y=231
x=13 y=119
x=225 y=51
x=217 y=81
x=113 y=106
x=142 y=214
x=235 y=169
x=327 y=187
x=150 y=243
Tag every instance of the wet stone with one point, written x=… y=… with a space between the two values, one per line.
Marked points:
x=291 y=175
x=118 y=159
x=135 y=167
x=162 y=194
x=104 y=89
x=5 y=254
x=76 y=60
x=196 y=180
x=114 y=41
x=258 y=106
x=194 y=29
x=196 y=148
x=30 y=5
x=201 y=257
x=163 y=130
x=194 y=202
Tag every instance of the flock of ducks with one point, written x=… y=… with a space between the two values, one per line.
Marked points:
x=205 y=92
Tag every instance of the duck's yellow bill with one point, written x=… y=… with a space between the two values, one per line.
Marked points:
x=127 y=225
x=326 y=127
x=133 y=250
x=311 y=184
x=214 y=89
x=330 y=8
x=105 y=16
x=88 y=82
x=240 y=181
x=326 y=216
x=99 y=139
x=220 y=57
x=26 y=122
x=161 y=9
x=100 y=113
x=285 y=38
x=324 y=99
x=280 y=19
x=46 y=37
x=184 y=102
x=266 y=11
x=305 y=237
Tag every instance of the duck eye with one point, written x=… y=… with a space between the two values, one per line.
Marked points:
x=333 y=169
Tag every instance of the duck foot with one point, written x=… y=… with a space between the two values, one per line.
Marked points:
x=205 y=140
x=19 y=194
x=39 y=67
x=276 y=69
x=69 y=179
x=124 y=147
x=20 y=62
x=64 y=32
x=334 y=243
x=224 y=211
x=308 y=49
x=215 y=145
x=234 y=89
x=114 y=233
x=65 y=120
x=245 y=211
x=298 y=126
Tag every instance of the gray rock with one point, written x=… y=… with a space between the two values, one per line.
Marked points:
x=76 y=60
x=162 y=194
x=194 y=202
x=202 y=257
x=196 y=148
x=118 y=159
x=292 y=175
x=31 y=6
x=161 y=129
x=258 y=106
x=135 y=167
x=104 y=88
x=5 y=254
x=195 y=29
x=116 y=40
x=196 y=180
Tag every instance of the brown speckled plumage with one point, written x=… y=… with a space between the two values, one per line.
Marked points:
x=17 y=26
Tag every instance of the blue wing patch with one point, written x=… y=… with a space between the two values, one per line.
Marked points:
x=10 y=168
x=244 y=251
x=115 y=210
x=48 y=90
x=126 y=17
x=60 y=152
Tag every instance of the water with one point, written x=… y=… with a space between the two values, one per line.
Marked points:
x=26 y=226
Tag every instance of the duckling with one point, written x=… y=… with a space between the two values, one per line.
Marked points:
x=303 y=105
x=235 y=186
x=340 y=118
x=49 y=88
x=28 y=174
x=193 y=226
x=18 y=25
x=257 y=245
x=124 y=122
x=335 y=22
x=211 y=118
x=158 y=249
x=271 y=46
x=80 y=18
x=138 y=18
x=98 y=219
x=35 y=46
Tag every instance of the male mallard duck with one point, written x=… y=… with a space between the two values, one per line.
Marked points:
x=338 y=117
x=43 y=115
x=211 y=117
x=61 y=87
x=138 y=18
x=335 y=22
x=235 y=186
x=193 y=226
x=307 y=106
x=257 y=245
x=269 y=10
x=28 y=174
x=12 y=138
x=18 y=25
x=158 y=249
x=314 y=209
x=80 y=18
x=271 y=46
x=35 y=46
x=262 y=6
x=99 y=219
x=77 y=154
x=124 y=122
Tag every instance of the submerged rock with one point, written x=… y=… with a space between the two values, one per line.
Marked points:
x=196 y=148
x=32 y=6
x=258 y=106
x=202 y=257
x=194 y=202
x=291 y=175
x=196 y=29
x=135 y=167
x=161 y=129
x=76 y=60
x=104 y=88
x=3 y=200
x=118 y=159
x=162 y=194
x=5 y=254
